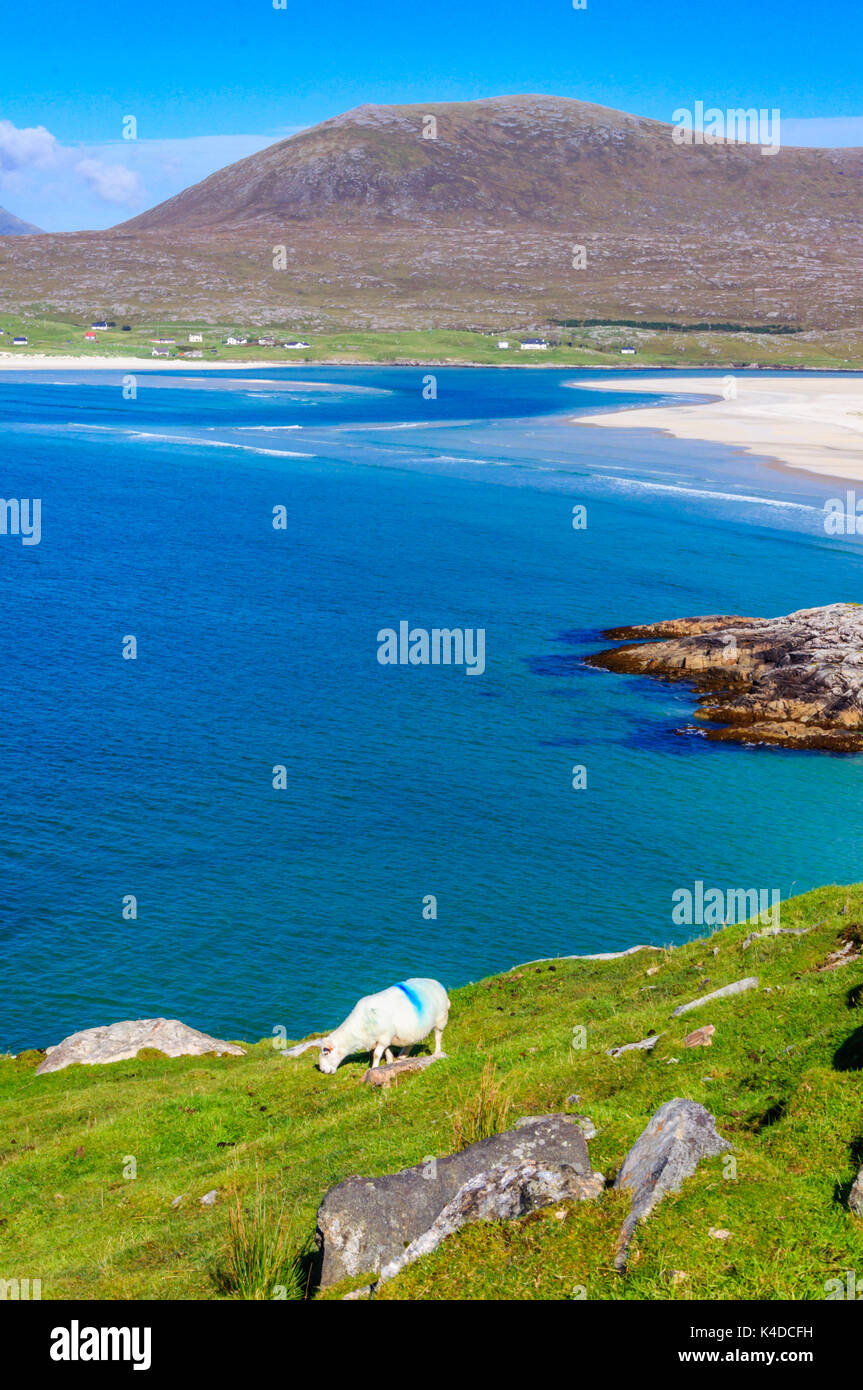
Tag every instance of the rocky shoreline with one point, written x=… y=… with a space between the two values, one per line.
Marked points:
x=792 y=682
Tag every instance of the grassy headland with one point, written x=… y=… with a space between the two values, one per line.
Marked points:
x=782 y=1079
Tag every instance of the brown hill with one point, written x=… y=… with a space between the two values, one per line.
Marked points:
x=476 y=228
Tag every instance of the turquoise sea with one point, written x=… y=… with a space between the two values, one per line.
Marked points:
x=446 y=505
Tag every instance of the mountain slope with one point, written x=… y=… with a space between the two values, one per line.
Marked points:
x=362 y=222
x=10 y=225
x=539 y=159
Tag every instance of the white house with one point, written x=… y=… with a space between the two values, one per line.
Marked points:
x=19 y=342
x=296 y=344
x=159 y=352
x=533 y=345
x=627 y=352
x=100 y=327
x=266 y=342
x=503 y=342
x=235 y=342
x=196 y=337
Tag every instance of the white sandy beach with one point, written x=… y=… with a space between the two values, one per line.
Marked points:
x=46 y=362
x=815 y=423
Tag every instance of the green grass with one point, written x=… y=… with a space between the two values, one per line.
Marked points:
x=596 y=346
x=781 y=1078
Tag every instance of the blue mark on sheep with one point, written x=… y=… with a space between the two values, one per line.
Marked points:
x=412 y=996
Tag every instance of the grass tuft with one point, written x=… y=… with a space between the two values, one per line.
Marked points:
x=266 y=1257
x=483 y=1113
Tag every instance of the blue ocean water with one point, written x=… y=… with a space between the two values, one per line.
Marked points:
x=258 y=647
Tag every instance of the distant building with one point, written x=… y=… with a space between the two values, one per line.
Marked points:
x=160 y=352
x=127 y=328
x=235 y=342
x=19 y=342
x=627 y=352
x=533 y=345
x=194 y=353
x=101 y=327
x=266 y=342
x=503 y=342
x=295 y=343
x=91 y=336
x=169 y=341
x=196 y=337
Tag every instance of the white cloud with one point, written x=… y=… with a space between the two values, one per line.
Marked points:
x=66 y=188
x=31 y=148
x=113 y=182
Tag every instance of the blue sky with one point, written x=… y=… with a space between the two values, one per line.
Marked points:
x=209 y=81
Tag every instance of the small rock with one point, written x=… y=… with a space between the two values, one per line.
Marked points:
x=739 y=987
x=654 y=970
x=855 y=1196
x=719 y=1233
x=670 y=1061
x=679 y=1276
x=573 y=1099
x=646 y=1045
x=702 y=1037
x=364 y=1292
x=209 y=1198
x=177 y=1200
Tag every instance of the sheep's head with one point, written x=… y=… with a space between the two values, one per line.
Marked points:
x=329 y=1056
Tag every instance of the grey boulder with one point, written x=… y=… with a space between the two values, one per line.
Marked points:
x=502 y=1194
x=668 y=1151
x=365 y=1223
x=855 y=1196
x=120 y=1042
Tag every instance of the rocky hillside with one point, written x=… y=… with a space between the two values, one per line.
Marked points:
x=759 y=1197
x=478 y=228
x=545 y=160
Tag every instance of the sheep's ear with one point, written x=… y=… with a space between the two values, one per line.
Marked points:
x=303 y=1047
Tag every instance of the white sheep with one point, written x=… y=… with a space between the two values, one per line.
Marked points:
x=400 y=1016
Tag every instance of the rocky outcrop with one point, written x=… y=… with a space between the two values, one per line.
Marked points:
x=794 y=681
x=366 y=1223
x=668 y=1152
x=119 y=1042
x=502 y=1194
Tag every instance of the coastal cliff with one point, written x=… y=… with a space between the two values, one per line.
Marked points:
x=794 y=681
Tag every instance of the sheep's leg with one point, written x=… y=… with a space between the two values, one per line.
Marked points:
x=376 y=1055
x=388 y=1055
x=405 y=1051
x=438 y=1034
